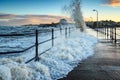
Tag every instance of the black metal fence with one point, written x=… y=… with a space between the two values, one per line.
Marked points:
x=66 y=32
x=110 y=33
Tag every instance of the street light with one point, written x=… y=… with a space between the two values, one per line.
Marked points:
x=97 y=20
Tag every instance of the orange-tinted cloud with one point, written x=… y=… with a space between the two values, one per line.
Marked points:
x=114 y=3
x=29 y=19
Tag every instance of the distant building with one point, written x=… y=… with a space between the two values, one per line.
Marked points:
x=63 y=21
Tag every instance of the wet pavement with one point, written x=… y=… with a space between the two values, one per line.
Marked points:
x=103 y=65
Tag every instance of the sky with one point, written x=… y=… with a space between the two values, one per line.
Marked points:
x=20 y=12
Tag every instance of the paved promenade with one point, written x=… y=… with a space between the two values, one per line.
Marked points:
x=103 y=65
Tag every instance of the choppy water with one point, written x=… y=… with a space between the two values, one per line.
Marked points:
x=11 y=43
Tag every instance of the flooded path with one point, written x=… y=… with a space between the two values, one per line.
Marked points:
x=103 y=65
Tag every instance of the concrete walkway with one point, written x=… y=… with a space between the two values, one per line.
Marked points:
x=103 y=65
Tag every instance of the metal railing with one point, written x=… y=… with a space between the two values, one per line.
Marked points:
x=37 y=43
x=110 y=33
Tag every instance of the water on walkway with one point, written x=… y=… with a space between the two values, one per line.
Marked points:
x=103 y=65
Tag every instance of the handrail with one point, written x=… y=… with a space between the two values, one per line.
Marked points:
x=39 y=55
x=27 y=34
x=18 y=51
x=21 y=51
x=110 y=33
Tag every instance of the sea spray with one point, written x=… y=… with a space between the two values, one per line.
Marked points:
x=74 y=9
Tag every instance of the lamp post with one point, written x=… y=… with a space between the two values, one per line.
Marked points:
x=97 y=20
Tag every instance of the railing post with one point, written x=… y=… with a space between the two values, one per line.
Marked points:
x=60 y=30
x=107 y=33
x=69 y=31
x=112 y=34
x=36 y=46
x=115 y=36
x=52 y=37
x=104 y=31
x=65 y=32
x=97 y=32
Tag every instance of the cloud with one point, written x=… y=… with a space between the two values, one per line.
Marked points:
x=6 y=16
x=113 y=3
x=16 y=20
